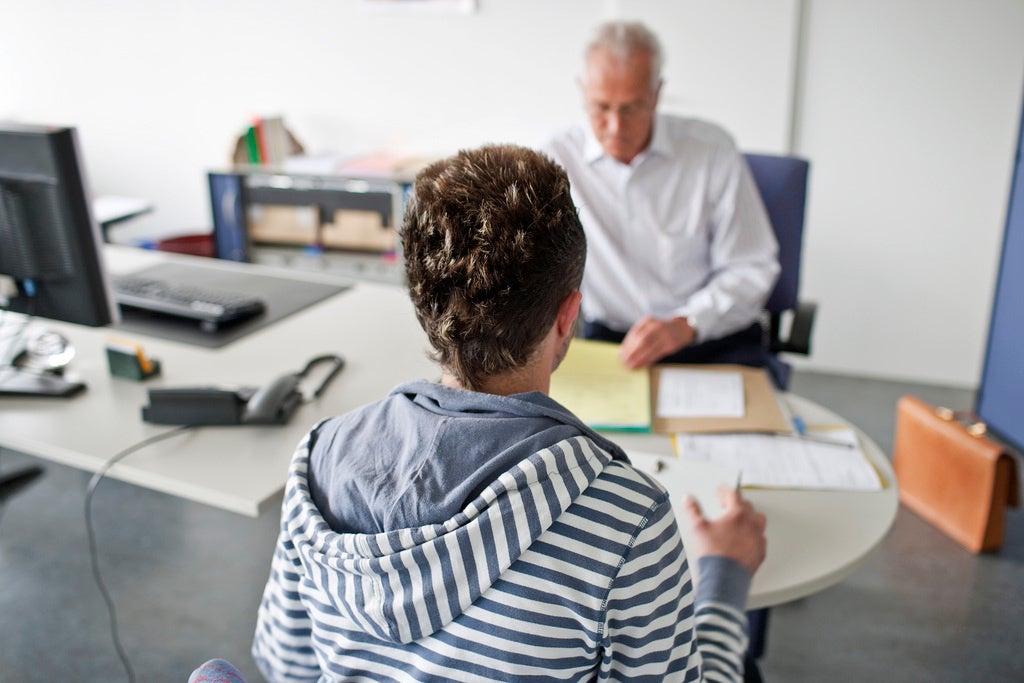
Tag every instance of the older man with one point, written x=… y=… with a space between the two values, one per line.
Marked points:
x=681 y=256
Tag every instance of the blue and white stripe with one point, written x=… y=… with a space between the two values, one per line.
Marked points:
x=568 y=567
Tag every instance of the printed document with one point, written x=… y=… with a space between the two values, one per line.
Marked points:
x=824 y=459
x=699 y=393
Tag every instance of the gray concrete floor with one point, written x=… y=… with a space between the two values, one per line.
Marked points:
x=186 y=580
x=923 y=609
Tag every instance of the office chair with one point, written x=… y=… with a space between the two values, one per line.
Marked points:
x=216 y=671
x=782 y=182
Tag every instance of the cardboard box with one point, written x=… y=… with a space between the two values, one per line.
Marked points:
x=271 y=224
x=362 y=230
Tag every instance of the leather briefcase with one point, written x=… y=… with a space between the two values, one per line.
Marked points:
x=952 y=475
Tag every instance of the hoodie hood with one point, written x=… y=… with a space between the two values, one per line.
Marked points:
x=405 y=584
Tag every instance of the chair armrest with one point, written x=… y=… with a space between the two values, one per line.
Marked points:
x=799 y=340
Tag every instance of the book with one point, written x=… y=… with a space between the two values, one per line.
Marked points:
x=278 y=143
x=252 y=145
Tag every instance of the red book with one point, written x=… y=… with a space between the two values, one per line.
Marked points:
x=261 y=139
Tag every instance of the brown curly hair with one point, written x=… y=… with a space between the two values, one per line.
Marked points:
x=492 y=245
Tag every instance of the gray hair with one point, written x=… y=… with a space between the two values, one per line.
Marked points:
x=625 y=38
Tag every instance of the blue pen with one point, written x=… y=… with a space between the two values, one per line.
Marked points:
x=801 y=428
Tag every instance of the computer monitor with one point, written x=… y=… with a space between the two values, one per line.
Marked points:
x=50 y=260
x=49 y=241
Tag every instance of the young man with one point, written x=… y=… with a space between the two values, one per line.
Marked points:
x=472 y=529
x=681 y=254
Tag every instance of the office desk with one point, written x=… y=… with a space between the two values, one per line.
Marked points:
x=235 y=468
x=815 y=538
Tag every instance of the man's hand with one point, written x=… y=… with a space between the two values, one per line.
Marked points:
x=651 y=339
x=738 y=534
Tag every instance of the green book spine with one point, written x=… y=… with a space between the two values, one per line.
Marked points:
x=252 y=145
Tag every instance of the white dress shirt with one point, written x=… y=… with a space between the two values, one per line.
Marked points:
x=679 y=232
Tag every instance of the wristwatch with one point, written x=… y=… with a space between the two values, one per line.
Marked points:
x=692 y=322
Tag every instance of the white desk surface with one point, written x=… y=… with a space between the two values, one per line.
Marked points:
x=815 y=538
x=236 y=468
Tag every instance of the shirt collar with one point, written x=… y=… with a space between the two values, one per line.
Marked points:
x=592 y=150
x=660 y=144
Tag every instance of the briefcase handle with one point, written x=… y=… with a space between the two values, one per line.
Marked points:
x=969 y=420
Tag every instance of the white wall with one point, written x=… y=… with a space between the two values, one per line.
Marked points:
x=909 y=113
x=159 y=89
x=907 y=110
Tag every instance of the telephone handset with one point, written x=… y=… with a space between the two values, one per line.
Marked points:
x=272 y=404
x=275 y=402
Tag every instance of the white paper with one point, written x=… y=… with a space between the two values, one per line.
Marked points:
x=699 y=393
x=681 y=478
x=787 y=461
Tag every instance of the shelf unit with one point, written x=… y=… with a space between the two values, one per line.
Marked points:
x=258 y=210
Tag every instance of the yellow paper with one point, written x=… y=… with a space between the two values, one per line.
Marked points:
x=600 y=390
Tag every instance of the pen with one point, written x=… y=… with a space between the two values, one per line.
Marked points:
x=818 y=439
x=798 y=424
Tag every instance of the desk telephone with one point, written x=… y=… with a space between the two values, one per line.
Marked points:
x=272 y=404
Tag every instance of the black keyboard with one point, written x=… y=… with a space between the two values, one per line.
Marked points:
x=209 y=306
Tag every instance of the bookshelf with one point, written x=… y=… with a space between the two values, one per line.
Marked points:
x=315 y=221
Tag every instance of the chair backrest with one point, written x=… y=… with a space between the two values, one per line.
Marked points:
x=782 y=182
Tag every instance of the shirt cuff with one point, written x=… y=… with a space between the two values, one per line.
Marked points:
x=723 y=580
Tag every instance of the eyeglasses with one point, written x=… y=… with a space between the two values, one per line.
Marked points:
x=626 y=111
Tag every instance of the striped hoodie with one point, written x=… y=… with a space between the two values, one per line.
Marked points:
x=449 y=535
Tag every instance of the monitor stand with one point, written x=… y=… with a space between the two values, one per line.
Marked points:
x=22 y=382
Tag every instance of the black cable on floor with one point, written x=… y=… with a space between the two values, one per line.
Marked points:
x=93 y=556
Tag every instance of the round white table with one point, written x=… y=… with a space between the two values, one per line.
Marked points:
x=815 y=538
